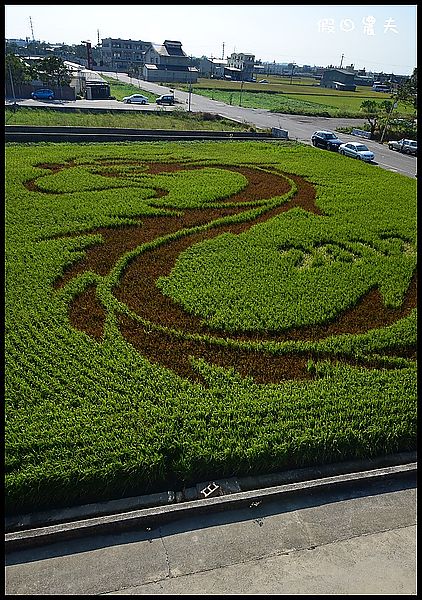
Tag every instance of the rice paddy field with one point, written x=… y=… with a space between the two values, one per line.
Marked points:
x=182 y=312
x=300 y=96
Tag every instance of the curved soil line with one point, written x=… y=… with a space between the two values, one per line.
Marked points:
x=138 y=291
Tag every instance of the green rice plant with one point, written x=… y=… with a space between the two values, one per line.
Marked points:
x=93 y=417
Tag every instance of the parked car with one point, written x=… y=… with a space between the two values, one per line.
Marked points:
x=42 y=94
x=326 y=139
x=405 y=146
x=138 y=98
x=165 y=99
x=356 y=150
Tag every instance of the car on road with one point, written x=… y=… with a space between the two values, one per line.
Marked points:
x=404 y=146
x=326 y=139
x=165 y=99
x=138 y=98
x=43 y=94
x=357 y=150
x=263 y=81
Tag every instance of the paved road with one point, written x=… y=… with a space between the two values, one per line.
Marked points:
x=356 y=540
x=300 y=128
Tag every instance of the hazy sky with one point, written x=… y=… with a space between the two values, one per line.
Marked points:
x=379 y=38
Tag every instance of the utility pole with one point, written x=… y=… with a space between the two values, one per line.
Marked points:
x=13 y=89
x=32 y=29
x=241 y=90
x=88 y=53
x=190 y=86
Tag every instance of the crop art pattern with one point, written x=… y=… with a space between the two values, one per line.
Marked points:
x=237 y=266
x=178 y=312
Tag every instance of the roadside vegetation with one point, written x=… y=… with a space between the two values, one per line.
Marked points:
x=176 y=119
x=184 y=312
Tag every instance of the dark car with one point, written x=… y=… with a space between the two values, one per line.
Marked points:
x=326 y=139
x=43 y=94
x=165 y=99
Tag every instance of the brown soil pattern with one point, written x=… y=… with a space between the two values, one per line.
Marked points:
x=138 y=291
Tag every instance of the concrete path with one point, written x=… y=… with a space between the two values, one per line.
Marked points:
x=355 y=539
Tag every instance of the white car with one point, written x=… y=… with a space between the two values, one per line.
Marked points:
x=139 y=98
x=356 y=150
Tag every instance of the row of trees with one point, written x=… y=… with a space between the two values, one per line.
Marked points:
x=50 y=70
x=378 y=114
x=74 y=52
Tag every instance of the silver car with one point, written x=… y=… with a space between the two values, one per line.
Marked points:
x=356 y=150
x=139 y=98
x=404 y=146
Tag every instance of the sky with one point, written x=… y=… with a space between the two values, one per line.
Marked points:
x=377 y=38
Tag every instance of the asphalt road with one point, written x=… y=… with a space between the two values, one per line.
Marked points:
x=299 y=127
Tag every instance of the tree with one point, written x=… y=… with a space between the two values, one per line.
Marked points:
x=370 y=110
x=377 y=114
x=52 y=70
x=17 y=69
x=407 y=91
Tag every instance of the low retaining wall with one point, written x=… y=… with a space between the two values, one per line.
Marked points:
x=24 y=133
x=362 y=133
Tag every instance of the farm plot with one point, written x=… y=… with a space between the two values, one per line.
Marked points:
x=181 y=312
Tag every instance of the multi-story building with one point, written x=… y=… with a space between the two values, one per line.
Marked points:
x=242 y=65
x=167 y=63
x=123 y=55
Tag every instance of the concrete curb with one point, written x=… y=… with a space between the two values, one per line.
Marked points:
x=217 y=496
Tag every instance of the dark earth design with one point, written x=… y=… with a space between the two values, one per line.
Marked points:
x=137 y=288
